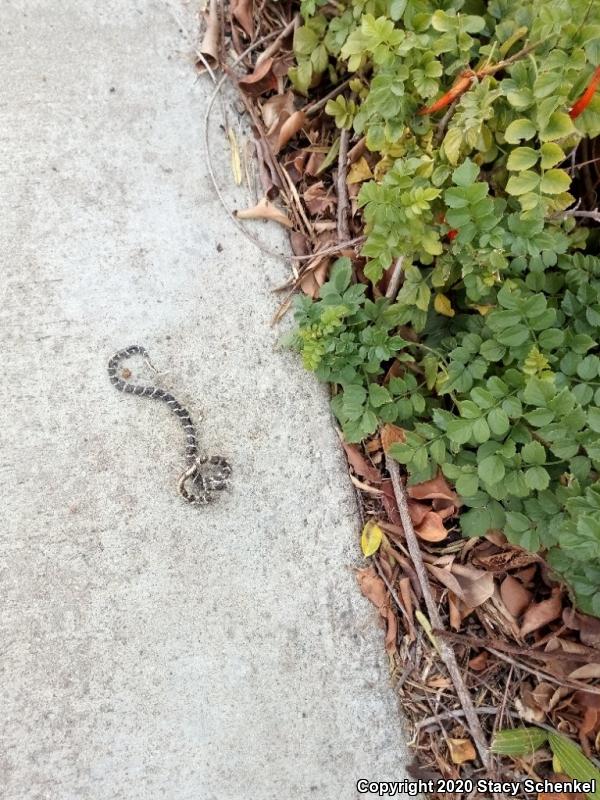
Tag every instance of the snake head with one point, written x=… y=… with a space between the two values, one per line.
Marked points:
x=202 y=478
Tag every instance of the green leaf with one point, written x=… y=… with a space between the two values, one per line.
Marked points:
x=467 y=484
x=559 y=125
x=498 y=421
x=555 y=181
x=518 y=742
x=537 y=478
x=341 y=274
x=522 y=158
x=460 y=430
x=378 y=395
x=552 y=154
x=518 y=130
x=526 y=181
x=534 y=453
x=491 y=470
x=573 y=762
x=466 y=174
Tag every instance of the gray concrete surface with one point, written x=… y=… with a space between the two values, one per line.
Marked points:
x=148 y=649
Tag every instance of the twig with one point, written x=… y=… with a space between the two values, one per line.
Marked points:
x=459 y=713
x=396 y=279
x=268 y=51
x=441 y=126
x=343 y=206
x=595 y=214
x=446 y=652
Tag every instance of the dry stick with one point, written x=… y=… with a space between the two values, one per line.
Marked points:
x=396 y=279
x=272 y=48
x=343 y=208
x=446 y=652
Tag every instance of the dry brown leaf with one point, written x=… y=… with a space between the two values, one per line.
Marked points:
x=360 y=464
x=432 y=528
x=418 y=512
x=287 y=130
x=374 y=589
x=540 y=614
x=260 y=81
x=318 y=199
x=476 y=585
x=585 y=672
x=264 y=209
x=433 y=489
x=209 y=49
x=359 y=171
x=314 y=278
x=588 y=627
x=479 y=662
x=242 y=11
x=590 y=722
x=280 y=105
x=390 y=434
x=461 y=750
x=514 y=595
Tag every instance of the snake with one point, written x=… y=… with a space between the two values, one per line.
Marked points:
x=207 y=475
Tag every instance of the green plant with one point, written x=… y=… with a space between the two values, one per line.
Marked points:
x=498 y=383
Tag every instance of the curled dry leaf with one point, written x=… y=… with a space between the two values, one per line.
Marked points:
x=260 y=81
x=315 y=276
x=514 y=595
x=374 y=589
x=461 y=750
x=418 y=512
x=264 y=209
x=242 y=13
x=432 y=528
x=588 y=627
x=209 y=49
x=585 y=672
x=435 y=488
x=540 y=614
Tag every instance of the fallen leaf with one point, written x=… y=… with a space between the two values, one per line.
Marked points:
x=287 y=130
x=359 y=171
x=476 y=585
x=260 y=81
x=585 y=672
x=264 y=209
x=315 y=277
x=588 y=627
x=540 y=614
x=242 y=12
x=429 y=490
x=318 y=199
x=514 y=596
x=359 y=463
x=209 y=49
x=432 y=528
x=479 y=662
x=561 y=778
x=374 y=589
x=371 y=538
x=390 y=434
x=418 y=512
x=461 y=750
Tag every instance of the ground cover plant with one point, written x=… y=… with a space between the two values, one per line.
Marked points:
x=436 y=165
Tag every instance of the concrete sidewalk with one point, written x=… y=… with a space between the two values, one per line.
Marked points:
x=150 y=649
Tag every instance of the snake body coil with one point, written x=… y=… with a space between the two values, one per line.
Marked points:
x=206 y=474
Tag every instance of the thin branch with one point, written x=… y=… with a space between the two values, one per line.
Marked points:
x=343 y=205
x=396 y=279
x=446 y=652
x=274 y=46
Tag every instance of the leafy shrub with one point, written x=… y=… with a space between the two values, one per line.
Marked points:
x=497 y=375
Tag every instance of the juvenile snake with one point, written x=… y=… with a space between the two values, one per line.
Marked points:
x=207 y=475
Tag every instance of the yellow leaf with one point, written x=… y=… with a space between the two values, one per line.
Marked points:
x=236 y=164
x=483 y=310
x=443 y=305
x=359 y=171
x=461 y=750
x=371 y=538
